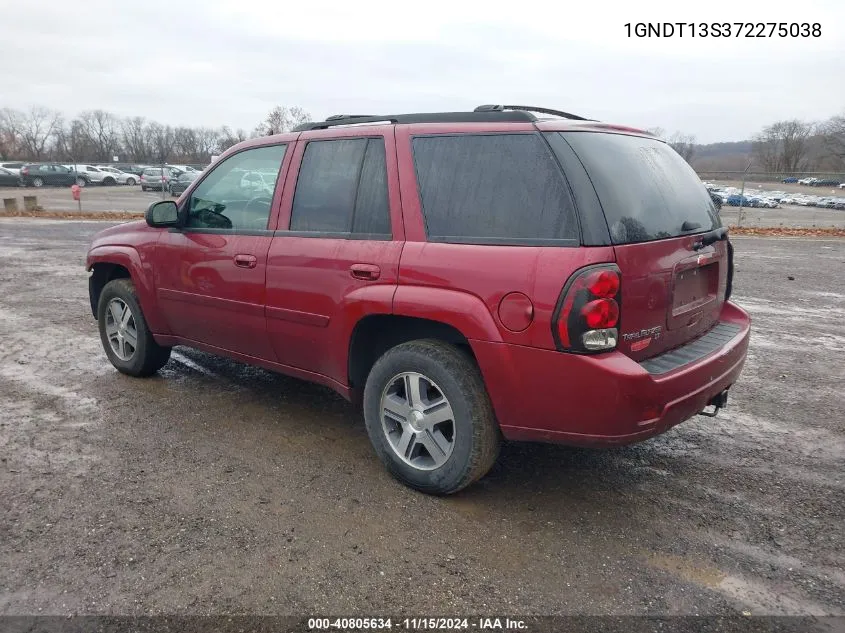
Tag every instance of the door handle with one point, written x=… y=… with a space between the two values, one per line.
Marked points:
x=367 y=272
x=246 y=261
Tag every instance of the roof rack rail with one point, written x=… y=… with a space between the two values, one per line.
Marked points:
x=502 y=108
x=479 y=116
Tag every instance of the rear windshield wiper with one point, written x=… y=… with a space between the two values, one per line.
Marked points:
x=706 y=239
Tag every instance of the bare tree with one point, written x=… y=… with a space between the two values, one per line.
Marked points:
x=162 y=140
x=783 y=146
x=684 y=144
x=282 y=119
x=228 y=137
x=31 y=131
x=101 y=128
x=136 y=142
x=10 y=145
x=73 y=144
x=833 y=137
x=208 y=140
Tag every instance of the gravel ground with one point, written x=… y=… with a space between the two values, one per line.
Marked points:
x=219 y=488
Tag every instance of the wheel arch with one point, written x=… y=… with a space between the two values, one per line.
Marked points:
x=374 y=334
x=114 y=262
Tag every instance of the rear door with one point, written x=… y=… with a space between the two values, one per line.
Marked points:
x=336 y=257
x=656 y=209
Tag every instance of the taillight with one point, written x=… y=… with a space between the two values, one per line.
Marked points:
x=25 y=171
x=587 y=315
x=142 y=176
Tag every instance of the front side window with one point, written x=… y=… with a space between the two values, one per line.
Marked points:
x=342 y=189
x=231 y=197
x=493 y=188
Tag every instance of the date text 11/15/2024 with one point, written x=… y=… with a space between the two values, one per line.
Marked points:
x=417 y=624
x=723 y=29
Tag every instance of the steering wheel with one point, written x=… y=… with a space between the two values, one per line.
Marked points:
x=259 y=199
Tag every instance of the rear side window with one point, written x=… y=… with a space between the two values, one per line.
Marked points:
x=342 y=189
x=647 y=191
x=494 y=188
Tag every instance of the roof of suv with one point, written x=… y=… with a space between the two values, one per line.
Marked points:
x=481 y=114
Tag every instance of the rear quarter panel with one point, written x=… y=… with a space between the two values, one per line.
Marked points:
x=484 y=273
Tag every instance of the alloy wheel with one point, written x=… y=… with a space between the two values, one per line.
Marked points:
x=418 y=421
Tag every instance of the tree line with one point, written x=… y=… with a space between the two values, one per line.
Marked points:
x=96 y=136
x=795 y=146
x=40 y=134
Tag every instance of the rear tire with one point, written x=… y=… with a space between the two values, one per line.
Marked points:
x=464 y=442
x=37 y=182
x=143 y=188
x=127 y=340
x=81 y=182
x=109 y=182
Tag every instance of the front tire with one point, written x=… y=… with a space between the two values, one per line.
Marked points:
x=127 y=340
x=130 y=181
x=143 y=188
x=429 y=417
x=81 y=182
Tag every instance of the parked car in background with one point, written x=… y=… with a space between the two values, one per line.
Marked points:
x=156 y=178
x=121 y=177
x=790 y=179
x=128 y=168
x=41 y=174
x=8 y=178
x=735 y=200
x=14 y=167
x=95 y=175
x=717 y=200
x=825 y=182
x=177 y=185
x=182 y=168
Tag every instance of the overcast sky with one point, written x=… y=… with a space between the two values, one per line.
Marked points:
x=215 y=62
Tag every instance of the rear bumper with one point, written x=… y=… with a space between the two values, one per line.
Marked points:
x=606 y=399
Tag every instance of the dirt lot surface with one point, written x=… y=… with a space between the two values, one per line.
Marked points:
x=219 y=488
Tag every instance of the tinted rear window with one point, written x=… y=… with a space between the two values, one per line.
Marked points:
x=493 y=188
x=647 y=191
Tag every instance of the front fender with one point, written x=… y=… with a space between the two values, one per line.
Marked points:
x=142 y=277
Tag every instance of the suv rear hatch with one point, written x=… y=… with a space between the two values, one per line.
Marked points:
x=662 y=225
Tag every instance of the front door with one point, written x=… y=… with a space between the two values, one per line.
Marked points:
x=210 y=276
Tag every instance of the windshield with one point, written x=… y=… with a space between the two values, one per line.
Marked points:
x=647 y=191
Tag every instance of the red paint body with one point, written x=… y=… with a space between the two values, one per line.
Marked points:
x=291 y=303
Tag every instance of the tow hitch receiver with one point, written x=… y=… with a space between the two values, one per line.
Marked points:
x=719 y=400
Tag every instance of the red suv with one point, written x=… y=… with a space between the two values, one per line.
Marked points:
x=467 y=276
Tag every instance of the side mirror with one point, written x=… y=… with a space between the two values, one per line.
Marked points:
x=162 y=214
